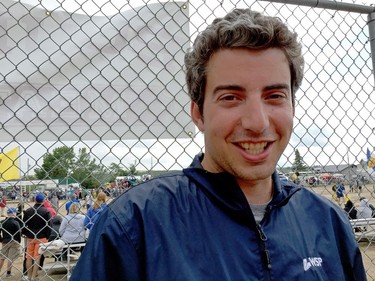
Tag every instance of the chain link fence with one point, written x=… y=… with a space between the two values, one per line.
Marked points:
x=93 y=97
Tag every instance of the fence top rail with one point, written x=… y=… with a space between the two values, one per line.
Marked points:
x=362 y=222
x=328 y=4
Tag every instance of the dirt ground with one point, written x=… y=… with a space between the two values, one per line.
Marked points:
x=367 y=247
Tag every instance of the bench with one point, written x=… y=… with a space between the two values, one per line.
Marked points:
x=68 y=265
x=364 y=229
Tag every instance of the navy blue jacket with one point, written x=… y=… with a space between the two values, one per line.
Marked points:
x=195 y=225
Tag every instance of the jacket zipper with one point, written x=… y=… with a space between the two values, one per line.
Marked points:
x=265 y=254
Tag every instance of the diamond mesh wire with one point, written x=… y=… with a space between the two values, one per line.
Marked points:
x=94 y=90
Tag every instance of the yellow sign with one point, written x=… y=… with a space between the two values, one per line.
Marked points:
x=9 y=165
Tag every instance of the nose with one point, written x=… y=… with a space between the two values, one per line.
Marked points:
x=254 y=116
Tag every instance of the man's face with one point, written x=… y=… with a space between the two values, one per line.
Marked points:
x=247 y=112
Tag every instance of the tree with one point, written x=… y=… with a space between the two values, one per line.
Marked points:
x=298 y=164
x=56 y=164
x=117 y=171
x=133 y=169
x=63 y=162
x=84 y=169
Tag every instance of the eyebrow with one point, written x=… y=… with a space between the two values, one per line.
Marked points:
x=278 y=86
x=232 y=87
x=235 y=87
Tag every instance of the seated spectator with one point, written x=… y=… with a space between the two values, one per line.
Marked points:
x=95 y=210
x=350 y=209
x=55 y=223
x=48 y=205
x=10 y=236
x=72 y=228
x=364 y=210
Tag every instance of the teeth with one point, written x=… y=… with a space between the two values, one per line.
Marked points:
x=254 y=148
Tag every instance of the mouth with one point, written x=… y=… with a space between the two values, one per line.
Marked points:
x=253 y=148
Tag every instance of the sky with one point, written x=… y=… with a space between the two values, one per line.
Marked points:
x=333 y=120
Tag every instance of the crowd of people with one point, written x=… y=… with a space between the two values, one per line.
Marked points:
x=360 y=209
x=43 y=222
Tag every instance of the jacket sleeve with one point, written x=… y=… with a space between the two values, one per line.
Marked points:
x=353 y=264
x=350 y=253
x=62 y=227
x=87 y=220
x=25 y=231
x=18 y=233
x=47 y=228
x=109 y=254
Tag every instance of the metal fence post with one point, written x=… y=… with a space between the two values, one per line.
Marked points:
x=371 y=28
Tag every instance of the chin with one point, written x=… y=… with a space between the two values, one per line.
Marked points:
x=255 y=174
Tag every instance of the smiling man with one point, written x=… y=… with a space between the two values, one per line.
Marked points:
x=228 y=216
x=247 y=116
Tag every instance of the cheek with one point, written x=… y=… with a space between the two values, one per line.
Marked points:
x=287 y=122
x=220 y=123
x=284 y=122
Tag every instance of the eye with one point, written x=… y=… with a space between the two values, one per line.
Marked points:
x=277 y=96
x=229 y=97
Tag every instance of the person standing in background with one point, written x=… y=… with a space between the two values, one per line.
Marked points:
x=73 y=198
x=37 y=230
x=10 y=236
x=89 y=199
x=3 y=204
x=55 y=202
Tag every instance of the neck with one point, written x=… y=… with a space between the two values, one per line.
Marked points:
x=259 y=193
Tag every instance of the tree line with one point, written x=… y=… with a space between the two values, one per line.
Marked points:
x=64 y=163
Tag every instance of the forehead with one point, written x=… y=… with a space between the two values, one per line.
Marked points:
x=253 y=67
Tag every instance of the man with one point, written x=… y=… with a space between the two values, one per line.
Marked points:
x=73 y=199
x=89 y=200
x=10 y=235
x=3 y=203
x=37 y=230
x=227 y=216
x=55 y=202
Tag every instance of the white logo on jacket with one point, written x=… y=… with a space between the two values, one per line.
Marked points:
x=312 y=262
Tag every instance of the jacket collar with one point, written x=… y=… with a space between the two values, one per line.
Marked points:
x=224 y=190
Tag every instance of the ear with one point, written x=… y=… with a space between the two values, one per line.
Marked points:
x=197 y=116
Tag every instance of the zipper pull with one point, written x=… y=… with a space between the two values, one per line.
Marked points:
x=265 y=253
x=262 y=236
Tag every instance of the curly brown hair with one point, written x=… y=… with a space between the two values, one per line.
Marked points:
x=241 y=28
